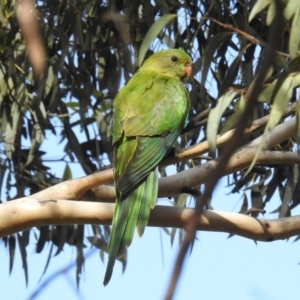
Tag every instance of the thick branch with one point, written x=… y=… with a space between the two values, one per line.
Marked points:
x=41 y=209
x=168 y=186
x=172 y=185
x=287 y=130
x=76 y=188
x=22 y=214
x=242 y=158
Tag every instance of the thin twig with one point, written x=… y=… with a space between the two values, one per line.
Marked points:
x=246 y=35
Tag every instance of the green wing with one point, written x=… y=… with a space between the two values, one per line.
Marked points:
x=149 y=114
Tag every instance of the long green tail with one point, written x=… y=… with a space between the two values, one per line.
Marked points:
x=131 y=212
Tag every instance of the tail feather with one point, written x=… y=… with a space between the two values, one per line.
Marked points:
x=149 y=200
x=129 y=213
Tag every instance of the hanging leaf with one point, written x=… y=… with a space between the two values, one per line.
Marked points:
x=231 y=74
x=271 y=13
x=67 y=173
x=298 y=116
x=290 y=9
x=244 y=206
x=47 y=262
x=12 y=130
x=215 y=116
x=239 y=108
x=294 y=39
x=37 y=137
x=287 y=194
x=152 y=33
x=49 y=80
x=280 y=102
x=258 y=7
x=23 y=253
x=213 y=45
x=12 y=249
x=294 y=64
x=267 y=92
x=79 y=252
x=43 y=238
x=256 y=200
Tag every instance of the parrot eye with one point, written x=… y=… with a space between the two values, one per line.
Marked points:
x=174 y=58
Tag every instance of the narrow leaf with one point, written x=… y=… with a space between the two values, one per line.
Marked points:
x=230 y=74
x=256 y=201
x=287 y=196
x=36 y=140
x=23 y=256
x=280 y=102
x=152 y=33
x=239 y=108
x=47 y=262
x=290 y=9
x=298 y=116
x=294 y=64
x=12 y=130
x=49 y=80
x=43 y=238
x=271 y=12
x=258 y=7
x=67 y=173
x=295 y=34
x=215 y=116
x=213 y=45
x=12 y=248
x=267 y=92
x=244 y=206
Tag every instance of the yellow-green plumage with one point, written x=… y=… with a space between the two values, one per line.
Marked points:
x=149 y=114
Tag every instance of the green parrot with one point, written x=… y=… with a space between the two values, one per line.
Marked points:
x=149 y=113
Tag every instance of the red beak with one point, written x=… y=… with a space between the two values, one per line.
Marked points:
x=188 y=70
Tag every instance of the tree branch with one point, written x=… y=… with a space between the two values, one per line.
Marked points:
x=203 y=147
x=22 y=214
x=92 y=188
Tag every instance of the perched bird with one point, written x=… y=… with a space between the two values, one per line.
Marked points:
x=149 y=114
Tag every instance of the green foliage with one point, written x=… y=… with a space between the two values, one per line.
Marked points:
x=92 y=48
x=216 y=114
x=152 y=33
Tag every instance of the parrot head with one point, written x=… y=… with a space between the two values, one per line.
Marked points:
x=174 y=62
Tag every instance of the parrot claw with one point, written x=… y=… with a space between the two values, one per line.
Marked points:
x=193 y=192
x=173 y=152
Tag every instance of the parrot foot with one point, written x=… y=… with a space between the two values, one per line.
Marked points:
x=193 y=192
x=255 y=211
x=173 y=152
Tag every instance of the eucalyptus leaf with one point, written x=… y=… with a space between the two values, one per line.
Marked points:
x=258 y=7
x=213 y=45
x=291 y=8
x=67 y=173
x=152 y=33
x=280 y=102
x=271 y=12
x=215 y=116
x=294 y=39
